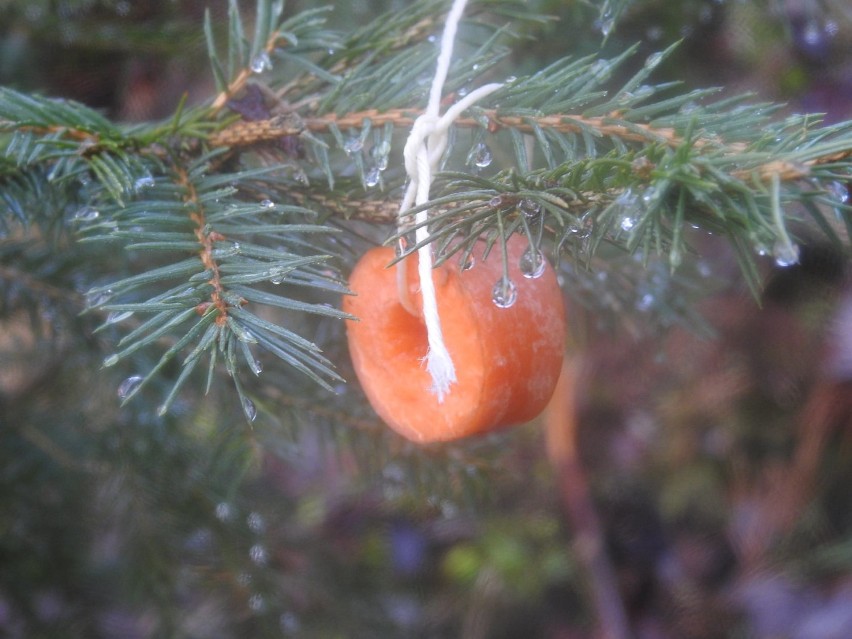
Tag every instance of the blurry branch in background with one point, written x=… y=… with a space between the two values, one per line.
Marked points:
x=783 y=498
x=587 y=531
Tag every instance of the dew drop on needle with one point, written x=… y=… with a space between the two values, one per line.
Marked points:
x=249 y=409
x=785 y=254
x=261 y=62
x=504 y=294
x=481 y=156
x=371 y=179
x=129 y=386
x=532 y=263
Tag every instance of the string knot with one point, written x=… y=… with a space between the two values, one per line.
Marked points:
x=423 y=150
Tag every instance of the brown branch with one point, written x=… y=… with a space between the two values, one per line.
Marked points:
x=206 y=239
x=80 y=135
x=243 y=76
x=374 y=211
x=249 y=133
x=561 y=437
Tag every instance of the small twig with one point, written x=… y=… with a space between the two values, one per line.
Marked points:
x=561 y=425
x=243 y=76
x=206 y=239
x=249 y=133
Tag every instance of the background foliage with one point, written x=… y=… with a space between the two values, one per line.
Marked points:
x=712 y=429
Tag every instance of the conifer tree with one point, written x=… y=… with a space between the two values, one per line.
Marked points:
x=175 y=354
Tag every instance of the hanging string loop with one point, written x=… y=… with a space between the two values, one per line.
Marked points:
x=423 y=151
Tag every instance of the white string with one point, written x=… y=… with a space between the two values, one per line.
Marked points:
x=423 y=150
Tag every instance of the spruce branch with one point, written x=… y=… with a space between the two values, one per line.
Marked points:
x=589 y=171
x=211 y=302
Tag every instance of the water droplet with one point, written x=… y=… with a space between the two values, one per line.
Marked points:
x=256 y=602
x=505 y=293
x=352 y=146
x=244 y=579
x=162 y=409
x=606 y=25
x=646 y=302
x=468 y=263
x=432 y=38
x=480 y=156
x=838 y=191
x=255 y=522
x=276 y=274
x=118 y=316
x=530 y=208
x=532 y=263
x=96 y=298
x=582 y=228
x=511 y=79
x=654 y=60
x=86 y=214
x=258 y=554
x=404 y=244
x=267 y=204
x=381 y=153
x=256 y=366
x=145 y=182
x=228 y=251
x=649 y=196
x=112 y=360
x=831 y=28
x=261 y=62
x=289 y=623
x=675 y=257
x=785 y=253
x=812 y=34
x=223 y=511
x=249 y=408
x=371 y=179
x=625 y=205
x=301 y=177
x=761 y=248
x=129 y=386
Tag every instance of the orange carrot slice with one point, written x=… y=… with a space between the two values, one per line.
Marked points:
x=507 y=360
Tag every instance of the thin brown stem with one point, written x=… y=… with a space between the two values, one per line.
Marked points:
x=249 y=133
x=206 y=239
x=561 y=426
x=242 y=78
